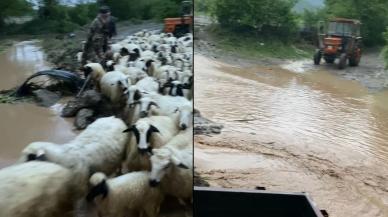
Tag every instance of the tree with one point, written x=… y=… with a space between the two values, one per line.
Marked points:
x=48 y=9
x=262 y=17
x=385 y=50
x=145 y=9
x=13 y=8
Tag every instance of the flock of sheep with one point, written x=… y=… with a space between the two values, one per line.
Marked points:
x=124 y=166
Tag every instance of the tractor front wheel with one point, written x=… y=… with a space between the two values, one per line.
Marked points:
x=317 y=57
x=342 y=61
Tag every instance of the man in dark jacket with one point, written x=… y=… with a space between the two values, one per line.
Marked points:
x=101 y=29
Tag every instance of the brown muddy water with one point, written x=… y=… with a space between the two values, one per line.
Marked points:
x=23 y=123
x=306 y=130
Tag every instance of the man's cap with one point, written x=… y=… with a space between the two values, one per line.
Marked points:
x=104 y=10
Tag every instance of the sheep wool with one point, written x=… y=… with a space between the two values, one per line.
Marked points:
x=37 y=189
x=125 y=195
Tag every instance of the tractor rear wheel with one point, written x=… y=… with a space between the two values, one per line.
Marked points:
x=342 y=61
x=317 y=57
x=355 y=59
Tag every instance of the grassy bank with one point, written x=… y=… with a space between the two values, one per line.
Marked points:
x=256 y=47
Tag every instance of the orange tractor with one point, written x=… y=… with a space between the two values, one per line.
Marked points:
x=341 y=40
x=180 y=25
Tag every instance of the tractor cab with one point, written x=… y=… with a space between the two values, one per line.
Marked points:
x=183 y=24
x=340 y=38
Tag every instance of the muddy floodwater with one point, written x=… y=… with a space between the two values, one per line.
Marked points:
x=22 y=123
x=305 y=130
x=18 y=62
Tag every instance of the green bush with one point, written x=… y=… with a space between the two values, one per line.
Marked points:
x=266 y=18
x=385 y=50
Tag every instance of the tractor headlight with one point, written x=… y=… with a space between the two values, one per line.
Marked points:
x=330 y=47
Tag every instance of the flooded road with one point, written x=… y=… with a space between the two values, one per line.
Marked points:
x=22 y=123
x=326 y=134
x=18 y=62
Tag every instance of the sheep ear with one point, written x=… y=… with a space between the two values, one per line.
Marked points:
x=132 y=128
x=31 y=157
x=154 y=129
x=183 y=166
x=150 y=152
x=178 y=163
x=125 y=91
x=152 y=104
x=137 y=95
x=148 y=63
x=179 y=91
x=100 y=189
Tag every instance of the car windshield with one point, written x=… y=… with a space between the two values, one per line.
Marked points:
x=341 y=29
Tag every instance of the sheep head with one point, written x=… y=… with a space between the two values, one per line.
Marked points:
x=143 y=132
x=162 y=160
x=145 y=106
x=134 y=95
x=185 y=116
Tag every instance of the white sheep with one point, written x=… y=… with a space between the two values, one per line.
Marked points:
x=172 y=166
x=156 y=104
x=113 y=84
x=146 y=134
x=125 y=195
x=41 y=189
x=145 y=85
x=185 y=115
x=100 y=147
x=148 y=84
x=96 y=71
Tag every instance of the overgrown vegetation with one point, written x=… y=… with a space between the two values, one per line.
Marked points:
x=385 y=50
x=145 y=9
x=53 y=17
x=267 y=28
x=249 y=46
x=264 y=19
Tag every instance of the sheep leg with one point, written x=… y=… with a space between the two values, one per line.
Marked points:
x=150 y=211
x=181 y=202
